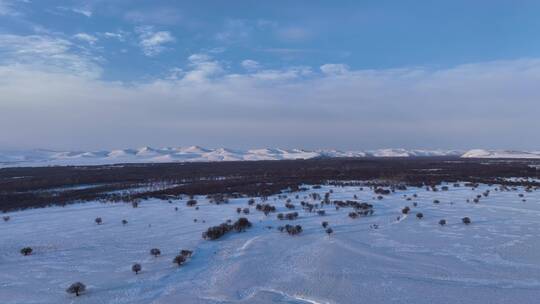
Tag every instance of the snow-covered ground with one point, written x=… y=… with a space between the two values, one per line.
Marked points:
x=493 y=260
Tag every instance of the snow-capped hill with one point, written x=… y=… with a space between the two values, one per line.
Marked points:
x=481 y=153
x=200 y=154
x=148 y=151
x=390 y=153
x=194 y=149
x=122 y=153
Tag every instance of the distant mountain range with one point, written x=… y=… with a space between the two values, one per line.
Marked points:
x=199 y=154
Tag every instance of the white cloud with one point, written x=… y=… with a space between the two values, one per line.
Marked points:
x=249 y=64
x=152 y=41
x=335 y=69
x=287 y=74
x=85 y=11
x=203 y=68
x=86 y=37
x=48 y=53
x=6 y=8
x=456 y=107
x=118 y=35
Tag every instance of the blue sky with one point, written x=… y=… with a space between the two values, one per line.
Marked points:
x=313 y=74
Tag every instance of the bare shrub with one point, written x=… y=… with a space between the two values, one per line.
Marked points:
x=290 y=206
x=186 y=253
x=76 y=288
x=179 y=260
x=291 y=229
x=155 y=252
x=136 y=268
x=215 y=232
x=26 y=251
x=265 y=208
x=241 y=224
x=381 y=191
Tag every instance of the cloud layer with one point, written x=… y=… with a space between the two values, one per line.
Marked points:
x=108 y=74
x=473 y=105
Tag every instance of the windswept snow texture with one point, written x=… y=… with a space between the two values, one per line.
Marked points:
x=190 y=154
x=493 y=260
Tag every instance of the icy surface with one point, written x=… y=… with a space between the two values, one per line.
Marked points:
x=189 y=154
x=493 y=260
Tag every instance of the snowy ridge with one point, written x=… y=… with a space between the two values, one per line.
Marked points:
x=199 y=154
x=190 y=154
x=480 y=153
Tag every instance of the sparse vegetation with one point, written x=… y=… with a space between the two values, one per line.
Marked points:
x=291 y=229
x=288 y=216
x=265 y=208
x=155 y=252
x=76 y=288
x=26 y=251
x=179 y=260
x=186 y=253
x=215 y=232
x=136 y=268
